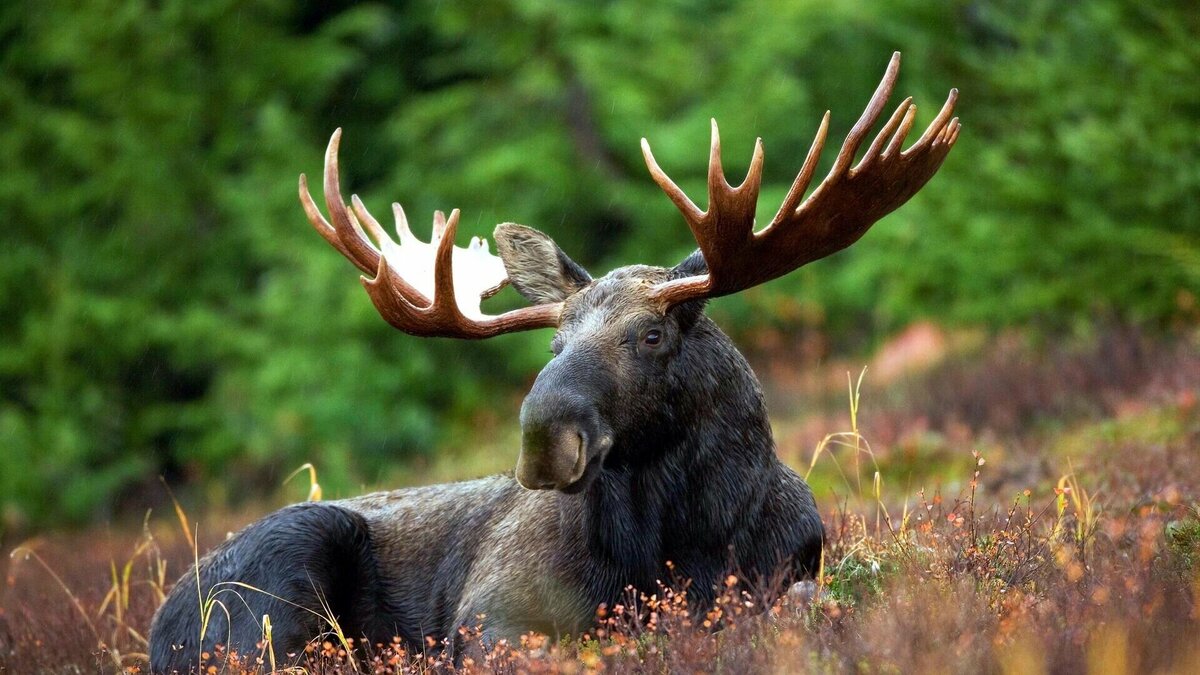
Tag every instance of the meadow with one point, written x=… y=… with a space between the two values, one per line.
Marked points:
x=1012 y=486
x=992 y=504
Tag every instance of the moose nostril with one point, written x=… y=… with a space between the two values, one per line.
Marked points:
x=581 y=451
x=553 y=454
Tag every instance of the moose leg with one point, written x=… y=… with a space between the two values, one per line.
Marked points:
x=304 y=567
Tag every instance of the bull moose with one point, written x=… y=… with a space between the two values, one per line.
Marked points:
x=645 y=440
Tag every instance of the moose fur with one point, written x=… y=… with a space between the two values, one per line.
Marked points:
x=686 y=473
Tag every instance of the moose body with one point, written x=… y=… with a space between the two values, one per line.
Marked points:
x=701 y=488
x=646 y=453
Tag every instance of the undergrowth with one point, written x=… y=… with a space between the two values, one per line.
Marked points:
x=1094 y=566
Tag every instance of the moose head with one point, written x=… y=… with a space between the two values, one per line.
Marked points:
x=616 y=366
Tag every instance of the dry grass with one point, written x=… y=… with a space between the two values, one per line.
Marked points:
x=1067 y=542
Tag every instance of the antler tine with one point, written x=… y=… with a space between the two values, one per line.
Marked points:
x=799 y=186
x=439 y=227
x=362 y=253
x=898 y=138
x=690 y=211
x=716 y=174
x=937 y=125
x=368 y=220
x=358 y=229
x=443 y=267
x=745 y=195
x=753 y=180
x=901 y=118
x=403 y=231
x=321 y=225
x=863 y=126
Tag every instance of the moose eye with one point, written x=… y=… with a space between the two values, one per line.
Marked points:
x=652 y=338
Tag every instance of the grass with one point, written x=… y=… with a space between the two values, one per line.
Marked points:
x=1003 y=542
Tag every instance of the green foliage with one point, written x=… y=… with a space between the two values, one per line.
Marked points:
x=165 y=310
x=1183 y=539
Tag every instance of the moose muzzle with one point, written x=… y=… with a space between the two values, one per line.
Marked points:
x=564 y=440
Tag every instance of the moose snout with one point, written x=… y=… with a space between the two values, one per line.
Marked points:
x=552 y=458
x=564 y=434
x=562 y=443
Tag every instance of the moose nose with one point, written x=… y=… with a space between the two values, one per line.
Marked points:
x=564 y=434
x=552 y=455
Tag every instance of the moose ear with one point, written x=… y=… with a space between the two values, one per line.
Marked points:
x=536 y=266
x=692 y=266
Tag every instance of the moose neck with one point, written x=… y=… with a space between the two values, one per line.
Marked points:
x=683 y=487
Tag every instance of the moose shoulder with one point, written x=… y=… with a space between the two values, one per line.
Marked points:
x=645 y=438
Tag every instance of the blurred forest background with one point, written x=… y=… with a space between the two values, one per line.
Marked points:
x=166 y=310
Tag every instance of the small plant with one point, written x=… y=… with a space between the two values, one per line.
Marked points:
x=1085 y=513
x=314 y=488
x=1183 y=539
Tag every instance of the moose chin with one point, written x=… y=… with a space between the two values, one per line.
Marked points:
x=646 y=450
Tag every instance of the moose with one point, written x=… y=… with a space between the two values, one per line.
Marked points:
x=646 y=452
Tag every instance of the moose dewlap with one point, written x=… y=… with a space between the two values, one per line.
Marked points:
x=645 y=438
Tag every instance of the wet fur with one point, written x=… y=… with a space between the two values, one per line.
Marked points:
x=692 y=478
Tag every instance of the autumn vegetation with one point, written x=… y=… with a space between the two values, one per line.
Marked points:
x=1012 y=542
x=1013 y=485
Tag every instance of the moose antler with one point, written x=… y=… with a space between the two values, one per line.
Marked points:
x=414 y=286
x=839 y=211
